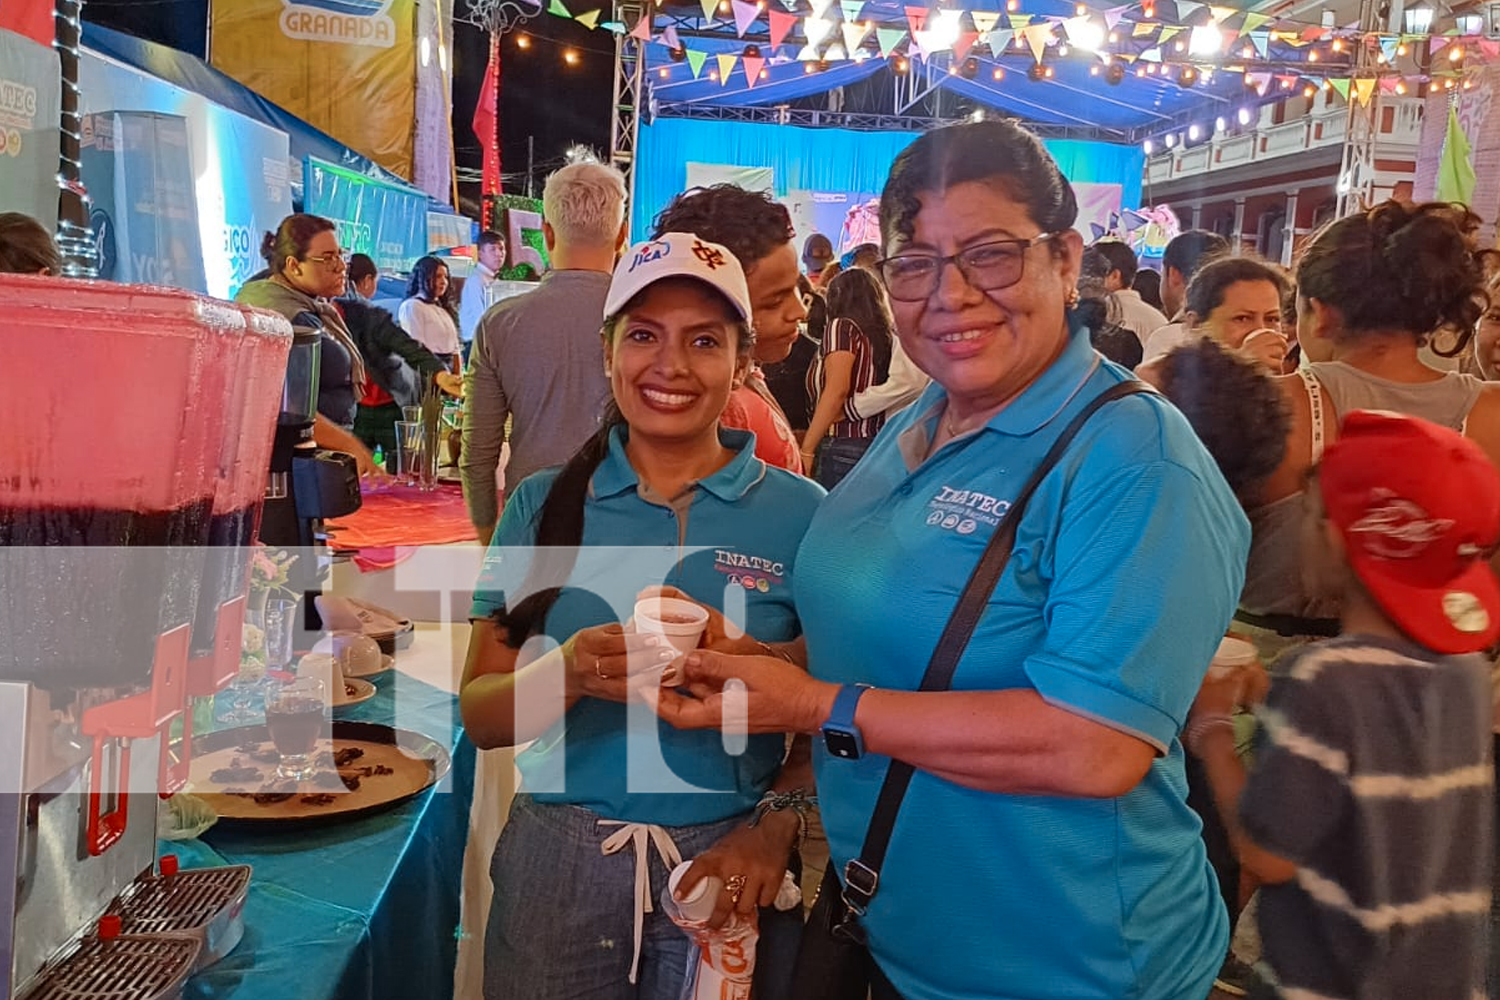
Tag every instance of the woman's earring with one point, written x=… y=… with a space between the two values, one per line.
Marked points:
x=1071 y=299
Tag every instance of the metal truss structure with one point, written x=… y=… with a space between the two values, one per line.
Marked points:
x=629 y=96
x=856 y=121
x=1356 y=183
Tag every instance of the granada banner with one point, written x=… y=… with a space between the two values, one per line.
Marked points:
x=347 y=67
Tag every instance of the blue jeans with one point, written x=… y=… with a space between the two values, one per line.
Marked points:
x=836 y=456
x=561 y=921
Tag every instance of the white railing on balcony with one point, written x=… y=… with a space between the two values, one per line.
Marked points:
x=1324 y=127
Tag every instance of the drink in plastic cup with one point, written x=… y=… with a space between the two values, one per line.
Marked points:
x=410 y=445
x=697 y=905
x=1232 y=655
x=679 y=622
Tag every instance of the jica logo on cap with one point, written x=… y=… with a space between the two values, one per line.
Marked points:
x=649 y=253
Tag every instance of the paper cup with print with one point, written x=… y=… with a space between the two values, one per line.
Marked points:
x=1232 y=655
x=680 y=623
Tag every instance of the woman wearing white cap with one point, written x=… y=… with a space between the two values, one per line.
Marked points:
x=680 y=502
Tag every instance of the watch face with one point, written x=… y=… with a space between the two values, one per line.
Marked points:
x=841 y=744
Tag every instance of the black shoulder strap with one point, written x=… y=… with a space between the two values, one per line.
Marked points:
x=862 y=874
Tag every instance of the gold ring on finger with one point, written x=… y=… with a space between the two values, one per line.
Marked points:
x=599 y=668
x=736 y=885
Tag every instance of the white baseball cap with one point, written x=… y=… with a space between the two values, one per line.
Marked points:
x=678 y=255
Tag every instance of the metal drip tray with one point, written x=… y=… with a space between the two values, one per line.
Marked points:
x=205 y=903
x=126 y=968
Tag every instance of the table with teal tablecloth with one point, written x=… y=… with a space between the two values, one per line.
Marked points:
x=356 y=910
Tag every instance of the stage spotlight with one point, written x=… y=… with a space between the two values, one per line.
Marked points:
x=1114 y=74
x=900 y=66
x=751 y=52
x=677 y=54
x=823 y=65
x=970 y=68
x=1186 y=77
x=1036 y=73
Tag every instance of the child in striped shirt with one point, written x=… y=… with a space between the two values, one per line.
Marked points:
x=1368 y=814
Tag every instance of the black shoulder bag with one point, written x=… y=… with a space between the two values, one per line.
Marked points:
x=832 y=960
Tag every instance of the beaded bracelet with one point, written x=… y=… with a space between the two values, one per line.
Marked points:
x=798 y=800
x=1200 y=727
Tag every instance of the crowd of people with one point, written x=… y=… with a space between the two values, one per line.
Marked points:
x=980 y=503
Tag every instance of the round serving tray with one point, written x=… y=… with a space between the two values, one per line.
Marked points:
x=234 y=772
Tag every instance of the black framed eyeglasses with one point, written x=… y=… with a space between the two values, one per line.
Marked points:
x=988 y=267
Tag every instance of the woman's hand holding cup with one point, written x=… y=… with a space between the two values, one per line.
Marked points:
x=606 y=661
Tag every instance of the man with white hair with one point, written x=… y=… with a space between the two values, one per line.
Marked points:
x=535 y=360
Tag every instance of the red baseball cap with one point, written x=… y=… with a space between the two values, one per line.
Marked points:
x=1418 y=506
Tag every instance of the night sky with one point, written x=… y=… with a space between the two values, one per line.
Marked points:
x=541 y=94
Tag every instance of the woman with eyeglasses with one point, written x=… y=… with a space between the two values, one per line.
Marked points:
x=307 y=271
x=1044 y=847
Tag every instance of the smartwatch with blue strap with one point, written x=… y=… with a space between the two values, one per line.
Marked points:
x=841 y=736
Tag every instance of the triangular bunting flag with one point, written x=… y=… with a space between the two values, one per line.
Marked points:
x=709 y=6
x=1128 y=57
x=889 y=38
x=1253 y=21
x=589 y=20
x=923 y=42
x=820 y=7
x=808 y=54
x=1438 y=42
x=1169 y=32
x=1364 y=89
x=753 y=66
x=556 y=8
x=1151 y=55
x=854 y=34
x=1262 y=42
x=781 y=26
x=726 y=66
x=642 y=29
x=1313 y=34
x=984 y=21
x=1113 y=16
x=695 y=60
x=613 y=26
x=1037 y=37
x=1142 y=29
x=744 y=16
x=999 y=39
x=1261 y=81
x=916 y=18
x=1341 y=85
x=835 y=53
x=1388 y=46
x=669 y=37
x=1388 y=84
x=964 y=44
x=851 y=9
x=1220 y=13
x=1187 y=8
x=1018 y=22
x=816 y=29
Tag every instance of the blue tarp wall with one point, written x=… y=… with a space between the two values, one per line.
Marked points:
x=827 y=159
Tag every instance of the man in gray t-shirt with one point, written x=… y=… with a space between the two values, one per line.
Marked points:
x=537 y=360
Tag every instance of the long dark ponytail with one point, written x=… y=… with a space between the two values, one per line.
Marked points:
x=559 y=532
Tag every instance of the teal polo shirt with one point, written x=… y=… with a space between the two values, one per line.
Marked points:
x=730 y=541
x=1127 y=566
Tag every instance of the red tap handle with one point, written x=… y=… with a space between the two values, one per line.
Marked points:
x=104 y=829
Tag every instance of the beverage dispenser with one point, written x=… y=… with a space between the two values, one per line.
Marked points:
x=127 y=417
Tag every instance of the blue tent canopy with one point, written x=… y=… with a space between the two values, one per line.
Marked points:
x=193 y=74
x=1075 y=97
